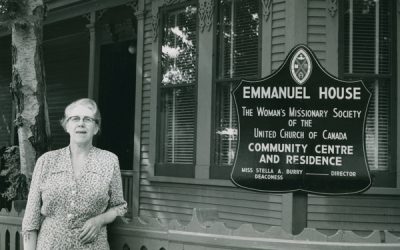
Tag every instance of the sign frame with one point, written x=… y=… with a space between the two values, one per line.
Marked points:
x=305 y=75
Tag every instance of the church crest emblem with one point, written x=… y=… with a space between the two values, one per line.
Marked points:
x=300 y=66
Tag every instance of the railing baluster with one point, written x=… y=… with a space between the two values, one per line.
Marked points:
x=127 y=186
x=17 y=241
x=7 y=246
x=12 y=239
x=2 y=237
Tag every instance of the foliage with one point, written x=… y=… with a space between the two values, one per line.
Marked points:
x=18 y=189
x=179 y=47
x=10 y=9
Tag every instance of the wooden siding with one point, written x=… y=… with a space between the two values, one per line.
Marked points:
x=234 y=206
x=5 y=95
x=66 y=64
x=168 y=201
x=359 y=213
x=316 y=28
x=278 y=34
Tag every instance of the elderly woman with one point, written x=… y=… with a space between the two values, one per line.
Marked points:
x=75 y=191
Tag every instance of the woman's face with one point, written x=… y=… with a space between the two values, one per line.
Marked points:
x=81 y=125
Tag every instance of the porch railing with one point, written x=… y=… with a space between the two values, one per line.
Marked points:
x=10 y=229
x=127 y=186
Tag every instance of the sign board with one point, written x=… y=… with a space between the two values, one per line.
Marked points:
x=301 y=129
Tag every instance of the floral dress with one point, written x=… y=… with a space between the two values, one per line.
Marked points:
x=59 y=204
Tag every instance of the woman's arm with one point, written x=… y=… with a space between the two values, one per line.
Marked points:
x=30 y=238
x=117 y=207
x=92 y=226
x=107 y=217
x=32 y=217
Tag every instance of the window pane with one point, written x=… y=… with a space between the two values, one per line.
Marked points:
x=226 y=130
x=367 y=38
x=178 y=51
x=178 y=113
x=368 y=45
x=238 y=23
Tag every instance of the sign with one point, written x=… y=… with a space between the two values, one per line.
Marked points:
x=301 y=129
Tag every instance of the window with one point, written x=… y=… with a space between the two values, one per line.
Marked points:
x=178 y=91
x=237 y=50
x=368 y=46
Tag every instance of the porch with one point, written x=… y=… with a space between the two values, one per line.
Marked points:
x=213 y=235
x=206 y=231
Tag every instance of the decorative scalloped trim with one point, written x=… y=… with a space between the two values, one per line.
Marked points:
x=273 y=232
x=12 y=213
x=245 y=230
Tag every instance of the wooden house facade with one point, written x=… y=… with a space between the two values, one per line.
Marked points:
x=162 y=72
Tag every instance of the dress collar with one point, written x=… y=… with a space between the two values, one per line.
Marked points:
x=63 y=161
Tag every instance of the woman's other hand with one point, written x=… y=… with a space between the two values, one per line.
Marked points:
x=90 y=229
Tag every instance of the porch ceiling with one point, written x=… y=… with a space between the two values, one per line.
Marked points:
x=63 y=9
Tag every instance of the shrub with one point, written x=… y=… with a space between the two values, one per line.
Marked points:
x=18 y=183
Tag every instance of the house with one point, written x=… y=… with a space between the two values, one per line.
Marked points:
x=162 y=72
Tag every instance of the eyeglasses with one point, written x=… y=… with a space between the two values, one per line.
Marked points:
x=85 y=119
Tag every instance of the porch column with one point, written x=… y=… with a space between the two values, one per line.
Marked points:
x=94 y=57
x=205 y=85
x=140 y=15
x=294 y=213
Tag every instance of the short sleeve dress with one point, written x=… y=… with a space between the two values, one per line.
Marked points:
x=59 y=204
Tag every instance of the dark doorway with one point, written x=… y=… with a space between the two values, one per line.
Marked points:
x=117 y=100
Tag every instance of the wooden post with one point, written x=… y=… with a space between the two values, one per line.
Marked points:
x=205 y=80
x=155 y=79
x=140 y=15
x=94 y=54
x=294 y=212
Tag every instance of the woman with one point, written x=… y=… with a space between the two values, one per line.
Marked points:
x=75 y=191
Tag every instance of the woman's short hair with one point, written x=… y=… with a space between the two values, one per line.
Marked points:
x=86 y=102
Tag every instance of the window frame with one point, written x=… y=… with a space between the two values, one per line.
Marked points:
x=223 y=172
x=380 y=178
x=162 y=169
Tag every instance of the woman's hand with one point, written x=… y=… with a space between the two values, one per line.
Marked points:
x=91 y=229
x=30 y=239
